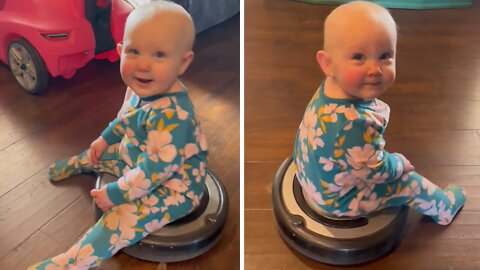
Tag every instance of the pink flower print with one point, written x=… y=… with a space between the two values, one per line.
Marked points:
x=379 y=177
x=303 y=148
x=158 y=146
x=328 y=163
x=310 y=191
x=191 y=149
x=432 y=211
x=361 y=178
x=354 y=207
x=368 y=184
x=131 y=136
x=175 y=198
x=85 y=161
x=425 y=205
x=156 y=225
x=176 y=184
x=200 y=172
x=161 y=103
x=371 y=204
x=118 y=129
x=134 y=183
x=123 y=152
x=330 y=108
x=315 y=138
x=343 y=183
x=351 y=113
x=195 y=198
x=117 y=243
x=348 y=126
x=359 y=157
x=310 y=117
x=201 y=138
x=149 y=204
x=451 y=197
x=428 y=186
x=73 y=161
x=124 y=218
x=82 y=256
x=381 y=111
x=167 y=173
x=181 y=113
x=300 y=166
x=410 y=190
x=399 y=170
x=444 y=216
x=308 y=131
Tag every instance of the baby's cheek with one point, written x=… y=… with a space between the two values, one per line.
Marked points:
x=126 y=68
x=352 y=77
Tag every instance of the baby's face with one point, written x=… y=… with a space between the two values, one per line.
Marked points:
x=153 y=56
x=363 y=60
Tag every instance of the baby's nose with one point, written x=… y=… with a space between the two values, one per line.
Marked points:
x=374 y=69
x=143 y=65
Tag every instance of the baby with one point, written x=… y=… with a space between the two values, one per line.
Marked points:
x=339 y=152
x=155 y=145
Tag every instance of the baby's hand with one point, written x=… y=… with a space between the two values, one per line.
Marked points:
x=101 y=198
x=408 y=166
x=96 y=149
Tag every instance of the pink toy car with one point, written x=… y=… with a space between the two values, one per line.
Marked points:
x=43 y=38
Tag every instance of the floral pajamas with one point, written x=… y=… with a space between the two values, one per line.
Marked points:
x=342 y=165
x=158 y=151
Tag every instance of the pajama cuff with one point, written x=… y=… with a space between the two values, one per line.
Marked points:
x=114 y=194
x=402 y=161
x=109 y=136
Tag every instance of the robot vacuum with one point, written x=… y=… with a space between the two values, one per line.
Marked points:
x=185 y=238
x=326 y=238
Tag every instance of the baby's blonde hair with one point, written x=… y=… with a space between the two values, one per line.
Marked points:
x=156 y=8
x=366 y=9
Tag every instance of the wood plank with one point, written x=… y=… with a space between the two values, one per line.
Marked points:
x=265 y=248
x=32 y=251
x=60 y=233
x=34 y=203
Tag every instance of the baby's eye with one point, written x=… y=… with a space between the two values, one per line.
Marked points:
x=132 y=51
x=159 y=54
x=358 y=56
x=385 y=56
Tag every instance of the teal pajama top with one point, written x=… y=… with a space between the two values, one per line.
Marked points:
x=159 y=139
x=342 y=165
x=340 y=151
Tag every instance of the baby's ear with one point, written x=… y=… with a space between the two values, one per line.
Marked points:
x=324 y=61
x=119 y=48
x=187 y=59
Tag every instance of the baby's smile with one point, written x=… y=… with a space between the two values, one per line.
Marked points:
x=143 y=81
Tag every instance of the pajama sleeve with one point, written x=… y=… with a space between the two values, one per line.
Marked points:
x=361 y=146
x=163 y=155
x=114 y=132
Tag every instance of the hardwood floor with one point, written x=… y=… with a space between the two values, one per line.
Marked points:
x=39 y=219
x=435 y=122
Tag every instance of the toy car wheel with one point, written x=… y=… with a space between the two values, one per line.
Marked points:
x=27 y=66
